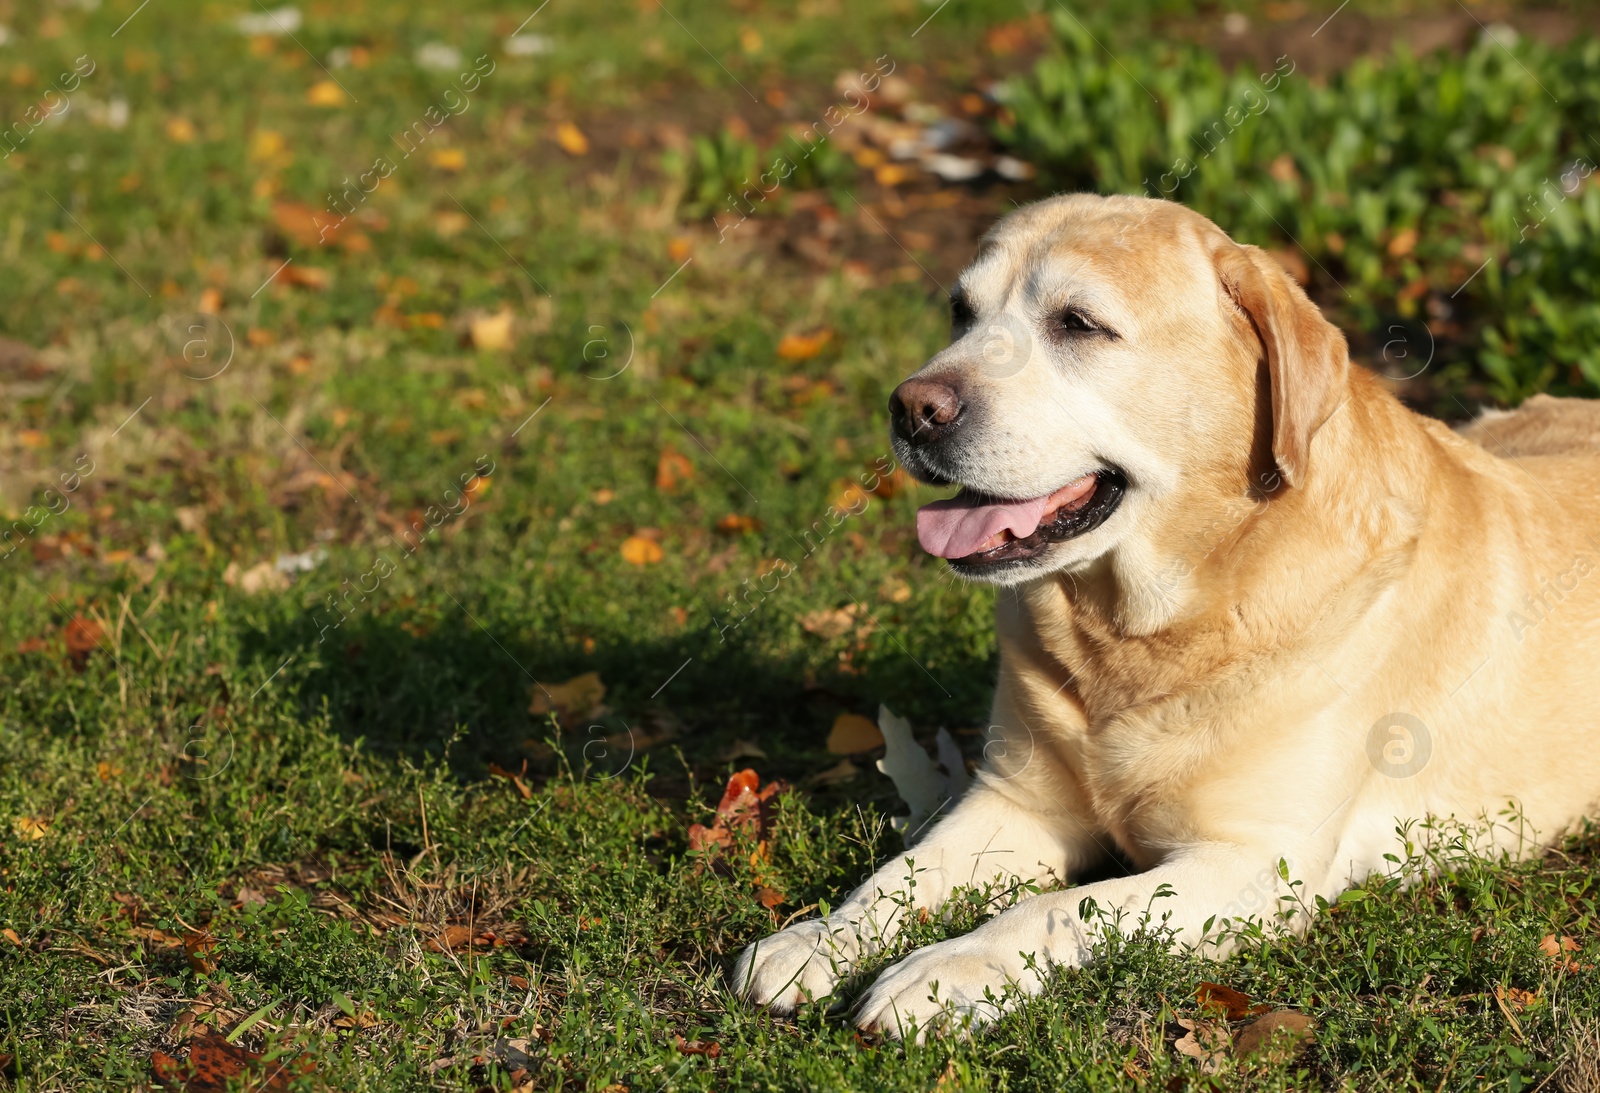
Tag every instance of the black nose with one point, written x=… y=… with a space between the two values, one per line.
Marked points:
x=925 y=410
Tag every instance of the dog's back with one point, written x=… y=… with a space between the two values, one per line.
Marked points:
x=1541 y=426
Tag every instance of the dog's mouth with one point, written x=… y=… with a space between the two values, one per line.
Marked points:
x=973 y=529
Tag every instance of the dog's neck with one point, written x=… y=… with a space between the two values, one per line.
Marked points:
x=1150 y=617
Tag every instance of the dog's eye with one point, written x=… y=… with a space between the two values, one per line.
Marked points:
x=960 y=312
x=1071 y=321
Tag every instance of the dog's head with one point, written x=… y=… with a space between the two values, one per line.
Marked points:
x=1116 y=366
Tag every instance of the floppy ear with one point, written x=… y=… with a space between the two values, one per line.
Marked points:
x=1308 y=362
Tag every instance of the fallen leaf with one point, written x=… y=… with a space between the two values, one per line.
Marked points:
x=82 y=637
x=853 y=734
x=578 y=699
x=309 y=277
x=198 y=945
x=211 y=301
x=639 y=551
x=744 y=807
x=1282 y=1035
x=11 y=935
x=672 y=469
x=325 y=93
x=521 y=787
x=214 y=1066
x=1206 y=1042
x=31 y=827
x=571 y=139
x=770 y=897
x=710 y=1049
x=180 y=130
x=679 y=249
x=842 y=771
x=1557 y=947
x=1404 y=241
x=799 y=347
x=737 y=523
x=1226 y=1002
x=448 y=159
x=492 y=333
x=262 y=577
x=835 y=622
x=449 y=939
x=1515 y=997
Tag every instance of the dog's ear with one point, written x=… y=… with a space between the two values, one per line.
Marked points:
x=1308 y=362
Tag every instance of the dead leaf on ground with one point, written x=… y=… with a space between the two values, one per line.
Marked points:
x=83 y=637
x=521 y=787
x=744 y=808
x=842 y=771
x=853 y=734
x=571 y=139
x=1281 y=1034
x=578 y=699
x=198 y=945
x=800 y=347
x=640 y=551
x=1206 y=1042
x=709 y=1048
x=1556 y=949
x=835 y=622
x=1225 y=1002
x=1515 y=998
x=737 y=523
x=261 y=577
x=770 y=897
x=492 y=332
x=672 y=470
x=31 y=828
x=214 y=1066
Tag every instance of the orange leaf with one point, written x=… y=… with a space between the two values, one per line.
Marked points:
x=1226 y=1002
x=708 y=1048
x=672 y=469
x=180 y=130
x=637 y=550
x=571 y=139
x=853 y=734
x=737 y=524
x=31 y=828
x=214 y=1065
x=199 y=945
x=770 y=897
x=448 y=159
x=325 y=93
x=800 y=347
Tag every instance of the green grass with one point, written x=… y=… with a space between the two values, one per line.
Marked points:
x=322 y=800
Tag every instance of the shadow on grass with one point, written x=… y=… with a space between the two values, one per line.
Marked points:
x=410 y=693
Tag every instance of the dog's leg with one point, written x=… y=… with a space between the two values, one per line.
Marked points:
x=986 y=837
x=969 y=980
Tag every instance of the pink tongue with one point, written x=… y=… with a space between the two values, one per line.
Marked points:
x=963 y=524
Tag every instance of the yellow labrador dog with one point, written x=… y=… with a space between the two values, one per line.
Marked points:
x=1253 y=611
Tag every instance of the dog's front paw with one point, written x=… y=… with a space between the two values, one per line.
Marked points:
x=955 y=986
x=803 y=963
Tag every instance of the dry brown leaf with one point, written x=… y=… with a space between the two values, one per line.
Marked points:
x=448 y=159
x=829 y=622
x=578 y=698
x=198 y=945
x=737 y=523
x=744 y=806
x=214 y=1066
x=492 y=333
x=1225 y=1002
x=11 y=935
x=181 y=131
x=1281 y=1034
x=842 y=771
x=672 y=470
x=800 y=347
x=639 y=551
x=571 y=139
x=521 y=787
x=325 y=93
x=262 y=577
x=770 y=897
x=1515 y=998
x=1557 y=947
x=1206 y=1042
x=853 y=734
x=710 y=1049
x=83 y=637
x=31 y=828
